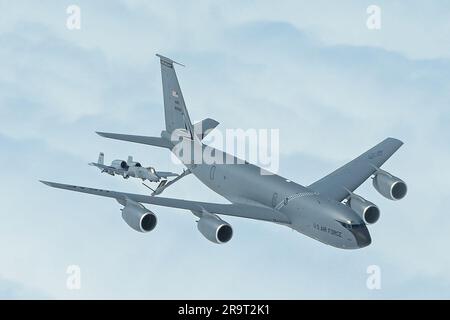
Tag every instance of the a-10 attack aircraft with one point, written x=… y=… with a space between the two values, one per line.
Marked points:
x=327 y=210
x=132 y=169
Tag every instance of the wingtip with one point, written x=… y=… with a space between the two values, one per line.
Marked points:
x=395 y=140
x=47 y=183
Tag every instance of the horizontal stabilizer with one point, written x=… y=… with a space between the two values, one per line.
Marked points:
x=153 y=141
x=204 y=127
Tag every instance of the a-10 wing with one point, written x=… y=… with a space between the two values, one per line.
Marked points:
x=236 y=210
x=107 y=168
x=350 y=176
x=165 y=174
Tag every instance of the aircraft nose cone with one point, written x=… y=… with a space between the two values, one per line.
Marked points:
x=362 y=235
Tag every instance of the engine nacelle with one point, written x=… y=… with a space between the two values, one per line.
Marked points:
x=368 y=211
x=138 y=217
x=389 y=186
x=215 y=229
x=134 y=164
x=119 y=164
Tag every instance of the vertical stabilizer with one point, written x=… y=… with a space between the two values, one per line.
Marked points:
x=176 y=114
x=101 y=158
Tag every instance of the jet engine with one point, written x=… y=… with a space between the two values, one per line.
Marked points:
x=368 y=211
x=134 y=164
x=138 y=217
x=120 y=164
x=389 y=186
x=131 y=163
x=214 y=229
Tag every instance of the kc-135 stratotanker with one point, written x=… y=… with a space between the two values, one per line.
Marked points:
x=327 y=210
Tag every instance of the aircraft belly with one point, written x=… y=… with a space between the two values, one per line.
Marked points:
x=239 y=185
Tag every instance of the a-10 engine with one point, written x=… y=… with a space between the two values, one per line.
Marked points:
x=368 y=211
x=120 y=164
x=389 y=186
x=138 y=217
x=214 y=229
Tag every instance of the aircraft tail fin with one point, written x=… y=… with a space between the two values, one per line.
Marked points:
x=101 y=158
x=176 y=114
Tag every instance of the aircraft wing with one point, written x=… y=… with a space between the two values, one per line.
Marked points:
x=236 y=210
x=107 y=168
x=100 y=166
x=164 y=174
x=350 y=176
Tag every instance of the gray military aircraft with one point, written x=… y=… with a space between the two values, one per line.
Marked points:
x=131 y=168
x=327 y=210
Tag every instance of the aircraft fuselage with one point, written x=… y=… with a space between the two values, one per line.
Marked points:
x=310 y=213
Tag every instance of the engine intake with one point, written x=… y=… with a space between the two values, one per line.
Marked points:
x=215 y=229
x=138 y=217
x=389 y=186
x=368 y=211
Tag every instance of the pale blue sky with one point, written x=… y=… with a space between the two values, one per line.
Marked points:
x=309 y=68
